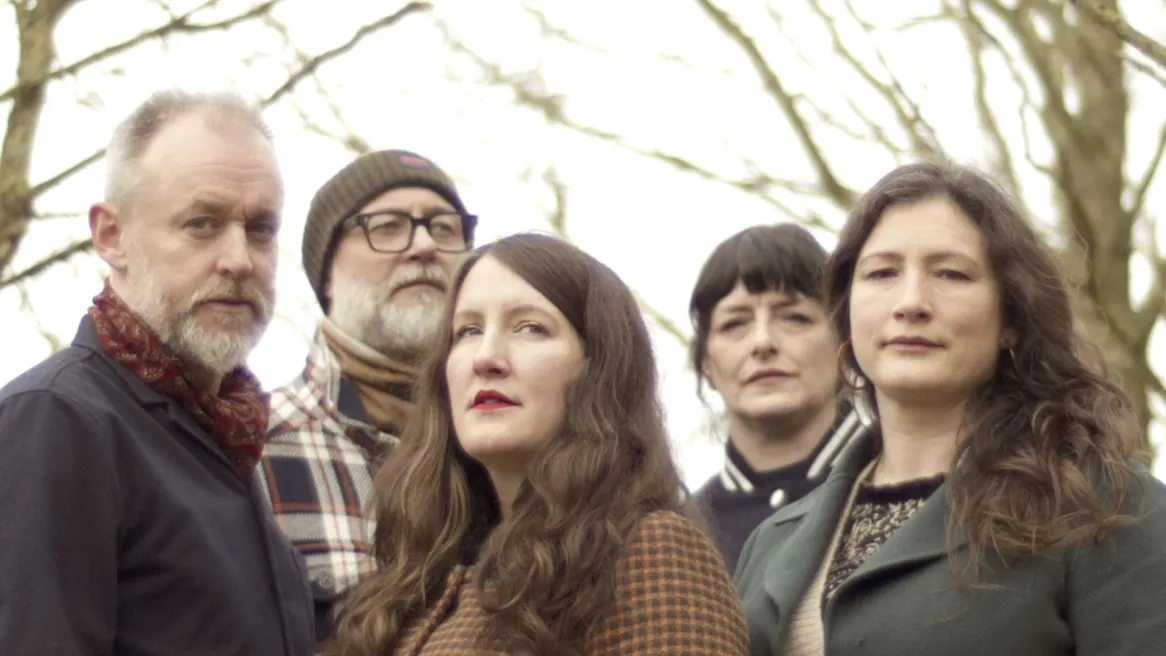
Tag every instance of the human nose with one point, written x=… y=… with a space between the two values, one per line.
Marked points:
x=422 y=248
x=235 y=258
x=763 y=343
x=913 y=302
x=490 y=360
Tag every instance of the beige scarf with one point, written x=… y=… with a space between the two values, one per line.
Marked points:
x=384 y=384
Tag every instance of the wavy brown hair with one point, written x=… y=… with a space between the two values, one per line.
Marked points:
x=546 y=574
x=1045 y=461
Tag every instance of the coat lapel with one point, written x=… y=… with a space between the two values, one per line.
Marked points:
x=922 y=539
x=166 y=410
x=790 y=571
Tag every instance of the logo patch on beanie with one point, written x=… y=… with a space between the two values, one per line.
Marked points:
x=414 y=162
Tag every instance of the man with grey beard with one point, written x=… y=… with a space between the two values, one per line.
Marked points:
x=381 y=243
x=132 y=521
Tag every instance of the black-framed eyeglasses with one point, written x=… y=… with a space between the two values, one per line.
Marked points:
x=391 y=231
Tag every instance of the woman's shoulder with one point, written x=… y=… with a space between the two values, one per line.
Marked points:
x=662 y=526
x=671 y=535
x=669 y=579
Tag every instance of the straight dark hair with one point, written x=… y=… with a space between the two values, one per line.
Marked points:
x=781 y=257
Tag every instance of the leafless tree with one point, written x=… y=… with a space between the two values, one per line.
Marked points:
x=37 y=69
x=1063 y=144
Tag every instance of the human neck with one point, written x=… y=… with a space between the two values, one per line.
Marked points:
x=768 y=444
x=919 y=441
x=203 y=379
x=506 y=487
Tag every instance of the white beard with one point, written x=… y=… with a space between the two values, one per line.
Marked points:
x=172 y=319
x=366 y=311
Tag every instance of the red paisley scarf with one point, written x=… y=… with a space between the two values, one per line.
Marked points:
x=236 y=419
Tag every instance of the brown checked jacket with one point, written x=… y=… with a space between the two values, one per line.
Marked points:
x=673 y=596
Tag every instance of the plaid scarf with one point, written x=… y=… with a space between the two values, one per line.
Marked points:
x=236 y=419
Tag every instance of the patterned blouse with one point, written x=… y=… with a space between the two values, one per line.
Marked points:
x=877 y=512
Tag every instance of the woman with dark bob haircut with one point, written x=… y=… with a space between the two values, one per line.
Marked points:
x=533 y=506
x=1000 y=505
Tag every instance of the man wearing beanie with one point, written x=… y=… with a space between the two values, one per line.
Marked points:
x=381 y=243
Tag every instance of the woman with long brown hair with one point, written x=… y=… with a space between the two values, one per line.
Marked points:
x=1001 y=505
x=533 y=506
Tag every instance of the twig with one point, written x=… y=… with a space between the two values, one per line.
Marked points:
x=47 y=262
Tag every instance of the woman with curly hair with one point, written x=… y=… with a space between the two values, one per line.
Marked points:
x=1001 y=505
x=533 y=506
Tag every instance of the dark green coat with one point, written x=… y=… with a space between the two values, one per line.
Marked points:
x=1108 y=599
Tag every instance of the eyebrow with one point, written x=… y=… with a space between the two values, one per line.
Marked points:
x=425 y=209
x=209 y=206
x=930 y=258
x=789 y=300
x=522 y=308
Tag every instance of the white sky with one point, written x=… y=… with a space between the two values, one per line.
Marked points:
x=403 y=89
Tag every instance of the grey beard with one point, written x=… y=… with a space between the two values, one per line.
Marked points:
x=406 y=332
x=365 y=313
x=172 y=321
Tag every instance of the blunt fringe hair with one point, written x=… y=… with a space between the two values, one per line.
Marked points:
x=133 y=135
x=781 y=257
x=546 y=574
x=1046 y=458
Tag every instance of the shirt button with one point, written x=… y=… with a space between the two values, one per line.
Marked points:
x=324 y=580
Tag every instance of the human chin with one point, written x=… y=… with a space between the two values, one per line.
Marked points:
x=219 y=350
x=417 y=294
x=910 y=377
x=223 y=318
x=489 y=442
x=774 y=404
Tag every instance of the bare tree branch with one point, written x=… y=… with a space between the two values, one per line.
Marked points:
x=44 y=186
x=1147 y=70
x=47 y=262
x=529 y=92
x=838 y=192
x=35 y=25
x=878 y=134
x=1028 y=106
x=312 y=65
x=557 y=217
x=907 y=112
x=1143 y=188
x=306 y=70
x=48 y=216
x=1112 y=19
x=350 y=140
x=552 y=31
x=26 y=308
x=660 y=319
x=179 y=24
x=1001 y=159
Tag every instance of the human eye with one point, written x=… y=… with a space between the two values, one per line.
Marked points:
x=445 y=224
x=389 y=223
x=263 y=230
x=532 y=328
x=953 y=274
x=878 y=274
x=200 y=224
x=465 y=331
x=730 y=325
x=799 y=318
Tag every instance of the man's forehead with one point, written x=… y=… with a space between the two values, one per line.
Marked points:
x=407 y=199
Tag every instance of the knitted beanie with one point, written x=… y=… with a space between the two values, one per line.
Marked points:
x=353 y=187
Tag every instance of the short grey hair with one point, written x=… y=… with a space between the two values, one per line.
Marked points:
x=221 y=109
